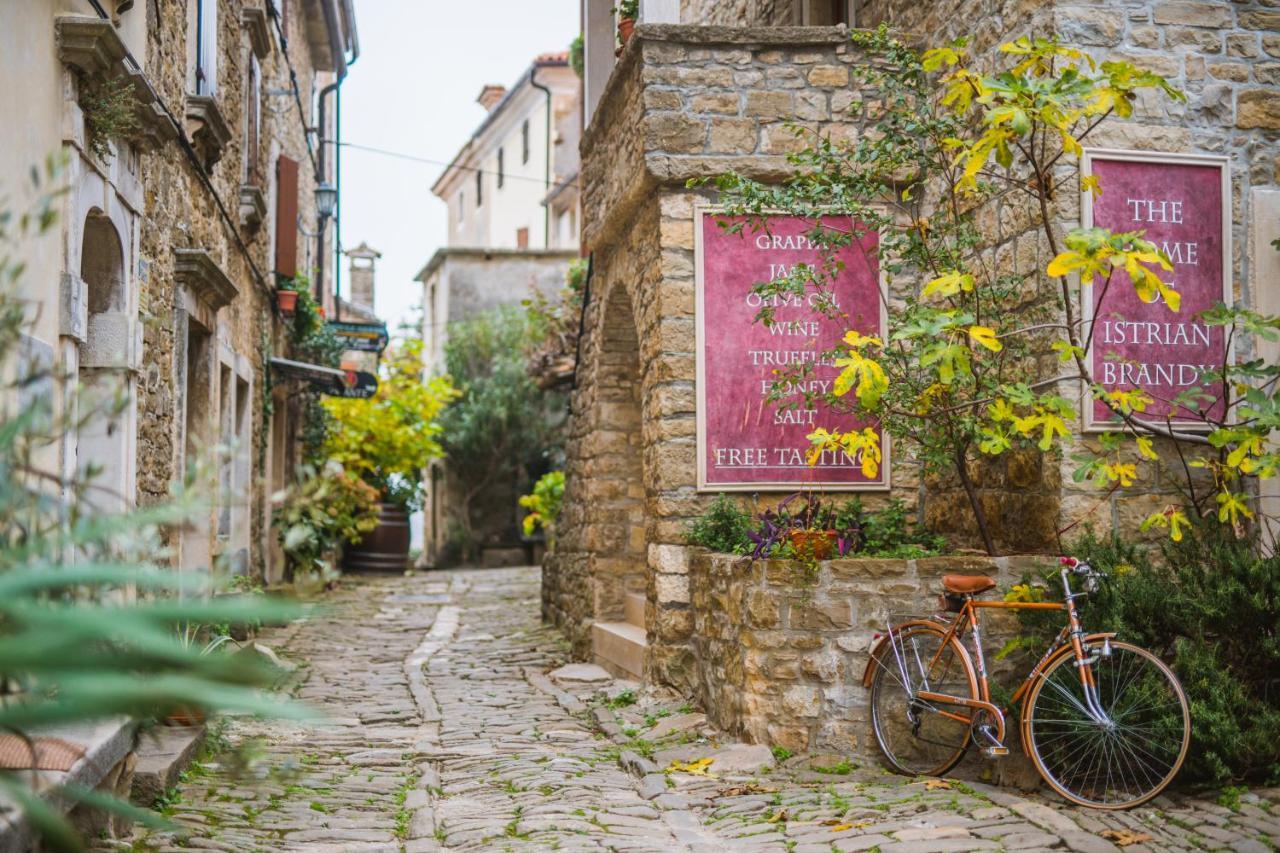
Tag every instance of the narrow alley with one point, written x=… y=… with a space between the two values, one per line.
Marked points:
x=450 y=725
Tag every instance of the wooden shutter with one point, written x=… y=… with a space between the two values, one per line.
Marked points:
x=286 y=217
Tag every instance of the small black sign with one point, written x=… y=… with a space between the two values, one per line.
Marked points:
x=357 y=384
x=329 y=380
x=361 y=337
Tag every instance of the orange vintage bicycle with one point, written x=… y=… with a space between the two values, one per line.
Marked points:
x=1106 y=723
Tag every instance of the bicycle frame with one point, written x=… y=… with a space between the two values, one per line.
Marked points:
x=1071 y=636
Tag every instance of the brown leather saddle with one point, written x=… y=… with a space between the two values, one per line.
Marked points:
x=967 y=584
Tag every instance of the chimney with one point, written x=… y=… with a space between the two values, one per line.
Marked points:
x=361 y=275
x=490 y=95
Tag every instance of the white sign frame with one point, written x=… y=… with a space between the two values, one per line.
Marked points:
x=1223 y=164
x=882 y=484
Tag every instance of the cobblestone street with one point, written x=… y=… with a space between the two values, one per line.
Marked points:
x=444 y=730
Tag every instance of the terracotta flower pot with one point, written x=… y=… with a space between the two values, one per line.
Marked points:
x=287 y=300
x=185 y=716
x=625 y=28
x=813 y=544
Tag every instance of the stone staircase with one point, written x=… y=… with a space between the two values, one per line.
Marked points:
x=619 y=646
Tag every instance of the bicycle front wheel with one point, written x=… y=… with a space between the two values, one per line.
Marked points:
x=921 y=738
x=1115 y=749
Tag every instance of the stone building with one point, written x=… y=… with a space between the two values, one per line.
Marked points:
x=512 y=231
x=704 y=88
x=190 y=164
x=177 y=222
x=355 y=317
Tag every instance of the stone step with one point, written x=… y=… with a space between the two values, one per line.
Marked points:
x=619 y=647
x=633 y=609
x=163 y=753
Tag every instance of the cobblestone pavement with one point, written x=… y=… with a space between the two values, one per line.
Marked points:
x=450 y=725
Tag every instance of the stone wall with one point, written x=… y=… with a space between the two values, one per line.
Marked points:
x=781 y=648
x=1226 y=58
x=182 y=213
x=684 y=102
x=696 y=101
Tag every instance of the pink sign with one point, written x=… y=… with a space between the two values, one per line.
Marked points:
x=1179 y=201
x=746 y=442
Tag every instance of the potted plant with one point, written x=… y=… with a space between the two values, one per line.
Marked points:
x=387 y=441
x=628 y=11
x=189 y=636
x=287 y=297
x=814 y=529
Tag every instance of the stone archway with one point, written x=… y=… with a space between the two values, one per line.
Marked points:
x=105 y=438
x=595 y=586
x=615 y=493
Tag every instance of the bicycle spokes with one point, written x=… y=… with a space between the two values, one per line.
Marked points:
x=1111 y=735
x=920 y=736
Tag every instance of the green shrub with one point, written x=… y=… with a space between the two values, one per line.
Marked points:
x=1210 y=606
x=723 y=528
x=889 y=533
x=728 y=529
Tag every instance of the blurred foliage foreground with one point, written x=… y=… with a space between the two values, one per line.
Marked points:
x=93 y=625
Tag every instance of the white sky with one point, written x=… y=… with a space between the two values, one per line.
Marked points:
x=413 y=91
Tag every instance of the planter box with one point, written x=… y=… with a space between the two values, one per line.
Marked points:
x=780 y=647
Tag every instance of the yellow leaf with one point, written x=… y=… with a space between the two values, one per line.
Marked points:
x=1145 y=448
x=1231 y=506
x=937 y=785
x=841 y=827
x=949 y=284
x=696 y=768
x=986 y=337
x=854 y=338
x=1124 y=837
x=1000 y=410
x=1064 y=263
x=1089 y=184
x=779 y=815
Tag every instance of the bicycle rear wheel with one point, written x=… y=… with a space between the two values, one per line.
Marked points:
x=921 y=738
x=1123 y=757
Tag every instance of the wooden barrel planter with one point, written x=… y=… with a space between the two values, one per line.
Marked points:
x=383 y=549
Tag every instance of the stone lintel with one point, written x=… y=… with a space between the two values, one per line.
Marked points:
x=197 y=269
x=253 y=206
x=254 y=20
x=89 y=44
x=93 y=47
x=211 y=133
x=792 y=38
x=157 y=128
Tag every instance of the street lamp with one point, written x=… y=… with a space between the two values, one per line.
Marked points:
x=326 y=199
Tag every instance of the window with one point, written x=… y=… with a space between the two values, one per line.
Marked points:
x=479 y=188
x=522 y=238
x=205 y=71
x=824 y=13
x=252 y=120
x=500 y=169
x=462 y=205
x=524 y=142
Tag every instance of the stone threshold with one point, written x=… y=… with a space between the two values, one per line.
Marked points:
x=106 y=744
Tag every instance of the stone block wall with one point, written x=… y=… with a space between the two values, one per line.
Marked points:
x=696 y=101
x=1225 y=56
x=781 y=648
x=684 y=102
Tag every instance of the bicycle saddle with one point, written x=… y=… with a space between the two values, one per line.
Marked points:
x=967 y=584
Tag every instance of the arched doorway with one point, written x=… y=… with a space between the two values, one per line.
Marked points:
x=105 y=438
x=616 y=511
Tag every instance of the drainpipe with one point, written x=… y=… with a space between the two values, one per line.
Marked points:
x=546 y=208
x=320 y=176
x=342 y=65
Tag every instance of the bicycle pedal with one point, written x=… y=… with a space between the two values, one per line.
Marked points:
x=995 y=751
